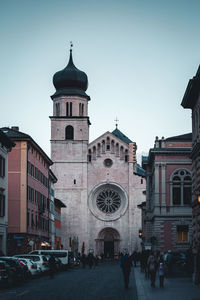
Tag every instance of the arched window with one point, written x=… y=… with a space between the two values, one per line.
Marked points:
x=82 y=109
x=126 y=156
x=121 y=152
x=117 y=149
x=181 y=188
x=98 y=149
x=112 y=146
x=108 y=144
x=57 y=109
x=69 y=133
x=70 y=113
x=94 y=152
x=103 y=146
x=89 y=155
x=69 y=109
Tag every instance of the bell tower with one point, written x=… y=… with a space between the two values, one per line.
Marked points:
x=69 y=148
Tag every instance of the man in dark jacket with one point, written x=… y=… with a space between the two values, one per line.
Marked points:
x=126 y=264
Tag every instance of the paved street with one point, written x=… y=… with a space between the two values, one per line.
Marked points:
x=105 y=282
x=176 y=288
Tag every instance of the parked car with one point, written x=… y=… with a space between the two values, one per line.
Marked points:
x=14 y=268
x=33 y=269
x=41 y=260
x=3 y=273
x=63 y=255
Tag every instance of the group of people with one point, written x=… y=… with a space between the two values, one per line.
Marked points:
x=91 y=260
x=151 y=263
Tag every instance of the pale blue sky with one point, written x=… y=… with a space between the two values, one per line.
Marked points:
x=138 y=55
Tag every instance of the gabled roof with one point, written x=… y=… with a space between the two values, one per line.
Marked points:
x=111 y=135
x=121 y=136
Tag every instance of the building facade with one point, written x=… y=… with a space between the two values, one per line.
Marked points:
x=52 y=181
x=28 y=194
x=191 y=100
x=97 y=180
x=5 y=146
x=168 y=210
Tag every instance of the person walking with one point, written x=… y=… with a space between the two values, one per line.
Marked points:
x=126 y=264
x=90 y=260
x=83 y=260
x=152 y=267
x=52 y=266
x=161 y=272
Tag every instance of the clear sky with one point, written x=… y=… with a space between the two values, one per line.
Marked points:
x=138 y=55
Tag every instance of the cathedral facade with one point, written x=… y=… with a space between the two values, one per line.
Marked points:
x=100 y=182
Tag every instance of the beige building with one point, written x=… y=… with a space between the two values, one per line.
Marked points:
x=98 y=181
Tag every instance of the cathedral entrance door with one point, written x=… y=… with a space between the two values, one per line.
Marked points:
x=109 y=249
x=108 y=242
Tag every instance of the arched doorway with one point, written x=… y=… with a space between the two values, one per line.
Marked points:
x=108 y=242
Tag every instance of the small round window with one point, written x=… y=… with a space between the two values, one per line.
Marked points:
x=108 y=162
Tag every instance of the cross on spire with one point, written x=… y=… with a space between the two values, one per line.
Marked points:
x=116 y=120
x=71 y=45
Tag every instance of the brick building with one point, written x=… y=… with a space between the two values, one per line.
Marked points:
x=168 y=211
x=28 y=193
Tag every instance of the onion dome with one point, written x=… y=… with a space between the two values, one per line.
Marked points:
x=70 y=81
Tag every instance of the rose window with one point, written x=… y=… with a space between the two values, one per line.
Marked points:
x=108 y=201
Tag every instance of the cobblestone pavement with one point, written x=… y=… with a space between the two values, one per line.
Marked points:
x=176 y=288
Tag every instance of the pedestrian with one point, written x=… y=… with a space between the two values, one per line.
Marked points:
x=161 y=272
x=152 y=267
x=52 y=266
x=126 y=264
x=83 y=260
x=169 y=262
x=90 y=260
x=96 y=260
x=135 y=257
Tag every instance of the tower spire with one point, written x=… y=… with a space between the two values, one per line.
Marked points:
x=116 y=120
x=71 y=46
x=71 y=63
